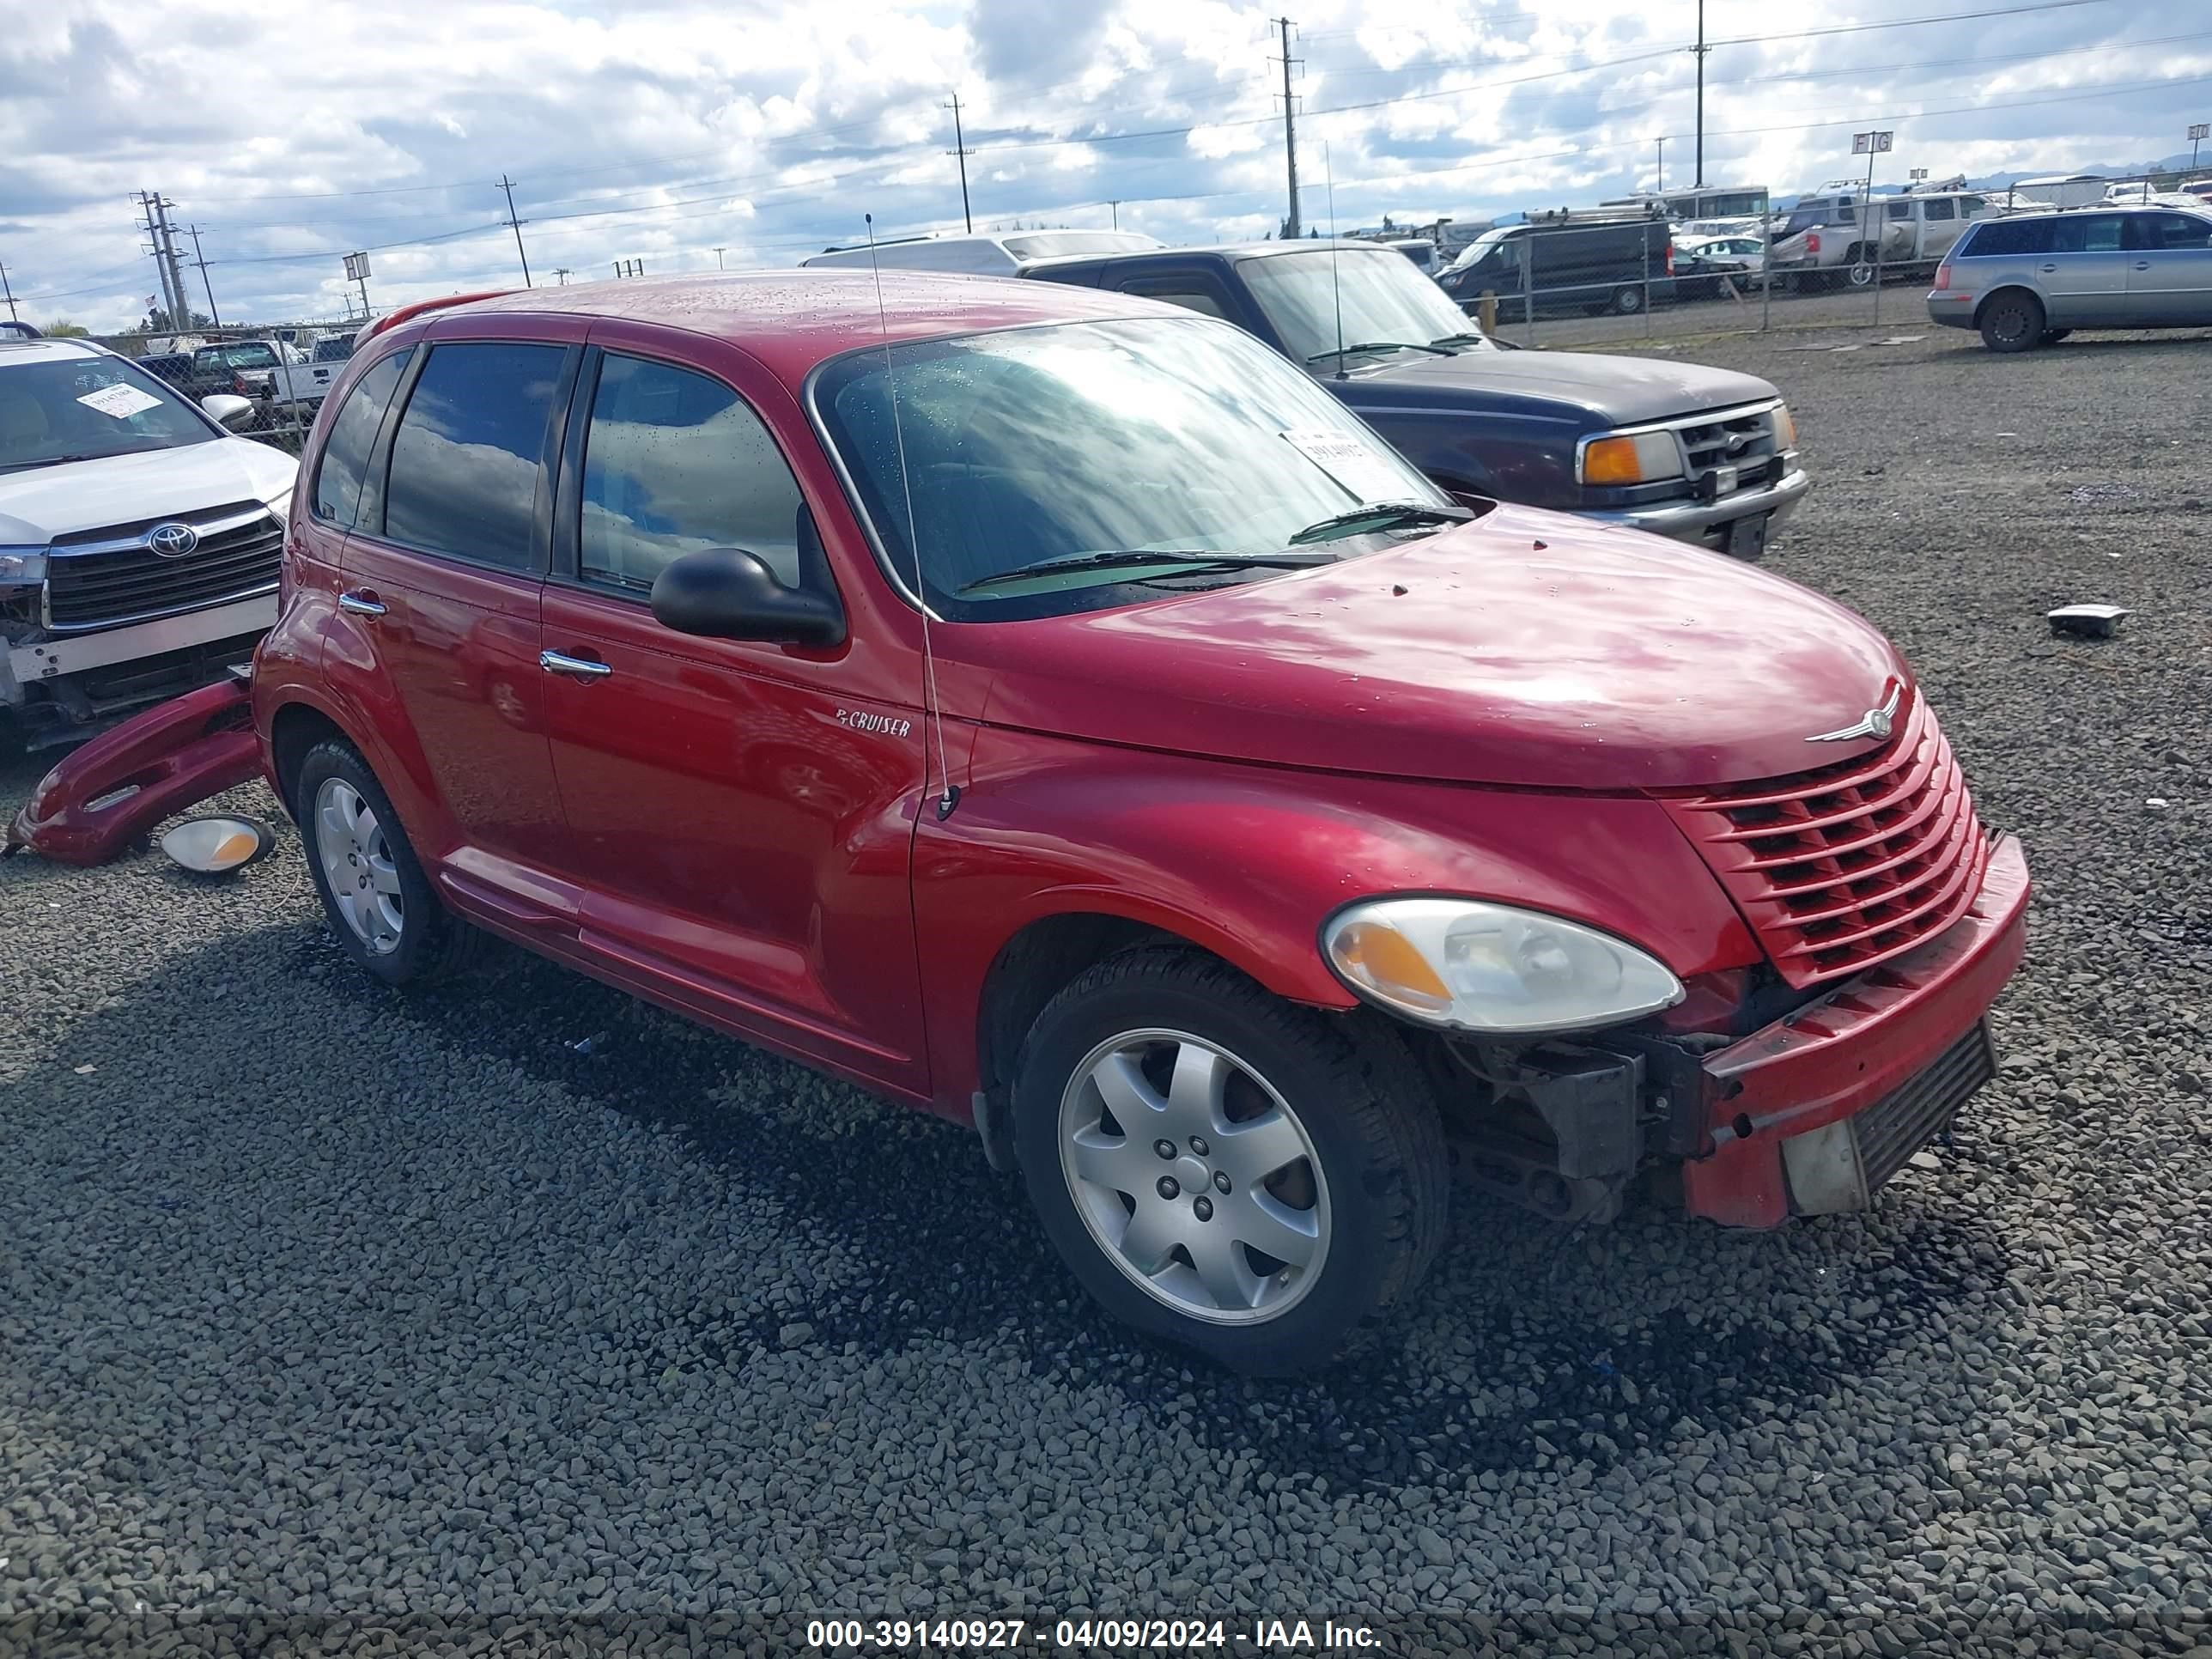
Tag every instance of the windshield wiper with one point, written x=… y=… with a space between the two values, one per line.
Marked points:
x=1133 y=558
x=1379 y=515
x=51 y=461
x=1460 y=339
x=1376 y=345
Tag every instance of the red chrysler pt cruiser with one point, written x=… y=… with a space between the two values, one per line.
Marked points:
x=1054 y=710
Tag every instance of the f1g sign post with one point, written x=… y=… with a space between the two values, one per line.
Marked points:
x=2197 y=135
x=357 y=270
x=1871 y=144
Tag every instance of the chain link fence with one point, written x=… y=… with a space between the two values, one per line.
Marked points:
x=284 y=370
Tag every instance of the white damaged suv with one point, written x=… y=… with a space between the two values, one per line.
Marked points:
x=139 y=540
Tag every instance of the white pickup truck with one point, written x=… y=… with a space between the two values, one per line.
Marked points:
x=268 y=371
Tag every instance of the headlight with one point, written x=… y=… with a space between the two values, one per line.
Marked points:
x=22 y=567
x=1477 y=967
x=280 y=502
x=1631 y=458
x=1785 y=427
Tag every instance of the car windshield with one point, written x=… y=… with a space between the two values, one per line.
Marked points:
x=86 y=409
x=1382 y=300
x=1060 y=443
x=251 y=354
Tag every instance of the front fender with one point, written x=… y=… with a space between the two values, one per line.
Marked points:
x=1248 y=861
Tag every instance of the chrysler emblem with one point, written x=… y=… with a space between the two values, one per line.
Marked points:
x=172 y=541
x=1874 y=723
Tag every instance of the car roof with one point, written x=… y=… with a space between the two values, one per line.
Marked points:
x=792 y=319
x=2086 y=208
x=1220 y=251
x=17 y=350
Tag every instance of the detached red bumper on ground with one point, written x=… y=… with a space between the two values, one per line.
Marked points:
x=118 y=787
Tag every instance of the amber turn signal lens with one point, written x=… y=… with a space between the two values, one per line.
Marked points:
x=1631 y=458
x=1382 y=959
x=216 y=844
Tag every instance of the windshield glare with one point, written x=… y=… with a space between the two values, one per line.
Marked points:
x=1383 y=299
x=88 y=407
x=1171 y=433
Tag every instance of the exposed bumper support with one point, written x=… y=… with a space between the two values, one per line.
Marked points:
x=127 y=780
x=75 y=653
x=1855 y=1047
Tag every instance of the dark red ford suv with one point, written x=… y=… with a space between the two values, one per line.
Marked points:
x=1054 y=710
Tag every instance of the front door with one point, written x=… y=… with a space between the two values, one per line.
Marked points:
x=2169 y=268
x=439 y=599
x=745 y=812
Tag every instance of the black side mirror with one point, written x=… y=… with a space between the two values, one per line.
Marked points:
x=727 y=593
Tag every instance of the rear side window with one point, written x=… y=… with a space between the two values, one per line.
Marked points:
x=674 y=463
x=1939 y=208
x=353 y=434
x=2003 y=238
x=2088 y=233
x=466 y=459
x=1190 y=295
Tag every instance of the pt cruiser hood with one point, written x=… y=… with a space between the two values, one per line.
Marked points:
x=46 y=502
x=1528 y=648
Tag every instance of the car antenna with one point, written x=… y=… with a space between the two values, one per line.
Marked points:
x=951 y=798
x=1335 y=279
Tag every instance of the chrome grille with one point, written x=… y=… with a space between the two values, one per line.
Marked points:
x=1742 y=439
x=105 y=578
x=1846 y=866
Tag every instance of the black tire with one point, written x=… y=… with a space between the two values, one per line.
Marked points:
x=432 y=943
x=1627 y=301
x=2011 y=320
x=1363 y=1109
x=2053 y=336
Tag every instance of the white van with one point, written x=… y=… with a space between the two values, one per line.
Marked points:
x=986 y=256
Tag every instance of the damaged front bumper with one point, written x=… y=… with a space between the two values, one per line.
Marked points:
x=1812 y=1114
x=119 y=785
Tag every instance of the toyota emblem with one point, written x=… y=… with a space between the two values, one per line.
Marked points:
x=172 y=541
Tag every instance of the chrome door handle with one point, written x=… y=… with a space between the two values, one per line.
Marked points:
x=576 y=668
x=360 y=603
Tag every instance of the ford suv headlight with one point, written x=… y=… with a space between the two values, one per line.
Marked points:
x=22 y=567
x=1471 y=966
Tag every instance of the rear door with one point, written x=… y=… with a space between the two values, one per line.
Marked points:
x=2084 y=276
x=2169 y=268
x=440 y=582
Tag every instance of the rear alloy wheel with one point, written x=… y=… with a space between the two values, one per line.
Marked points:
x=380 y=903
x=2012 y=321
x=1862 y=273
x=1224 y=1169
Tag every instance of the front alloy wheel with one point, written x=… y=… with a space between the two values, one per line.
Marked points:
x=1224 y=1170
x=1193 y=1176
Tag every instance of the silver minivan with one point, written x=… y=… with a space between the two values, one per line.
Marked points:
x=2030 y=279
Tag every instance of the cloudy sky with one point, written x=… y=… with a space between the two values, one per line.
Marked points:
x=290 y=134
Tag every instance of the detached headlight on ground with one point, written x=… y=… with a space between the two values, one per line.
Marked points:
x=22 y=567
x=1631 y=458
x=1464 y=964
x=215 y=845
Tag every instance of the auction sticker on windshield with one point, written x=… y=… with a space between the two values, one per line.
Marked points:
x=1351 y=462
x=119 y=400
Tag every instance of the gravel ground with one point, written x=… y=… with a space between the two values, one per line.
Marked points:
x=336 y=1322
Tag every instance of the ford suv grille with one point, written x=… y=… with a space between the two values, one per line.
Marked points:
x=104 y=578
x=1846 y=866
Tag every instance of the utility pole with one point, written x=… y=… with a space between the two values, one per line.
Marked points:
x=10 y=292
x=160 y=270
x=1659 y=188
x=960 y=149
x=2197 y=135
x=1117 y=206
x=1700 y=181
x=562 y=273
x=182 y=316
x=717 y=255
x=1290 y=132
x=200 y=259
x=516 y=225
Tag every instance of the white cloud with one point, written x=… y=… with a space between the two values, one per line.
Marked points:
x=770 y=126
